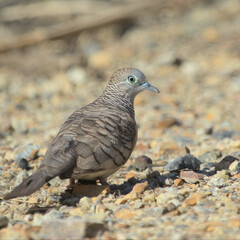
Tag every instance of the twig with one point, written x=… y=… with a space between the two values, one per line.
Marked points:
x=109 y=16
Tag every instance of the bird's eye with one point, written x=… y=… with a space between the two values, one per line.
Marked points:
x=131 y=79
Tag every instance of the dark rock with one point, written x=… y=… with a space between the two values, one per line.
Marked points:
x=209 y=168
x=72 y=201
x=188 y=161
x=164 y=180
x=23 y=164
x=177 y=62
x=225 y=162
x=142 y=162
x=3 y=221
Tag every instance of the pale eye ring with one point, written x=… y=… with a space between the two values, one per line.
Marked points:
x=131 y=79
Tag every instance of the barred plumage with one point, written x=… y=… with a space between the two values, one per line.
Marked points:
x=96 y=140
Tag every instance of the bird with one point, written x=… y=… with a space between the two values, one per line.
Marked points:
x=96 y=140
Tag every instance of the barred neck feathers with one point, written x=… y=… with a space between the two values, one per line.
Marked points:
x=121 y=100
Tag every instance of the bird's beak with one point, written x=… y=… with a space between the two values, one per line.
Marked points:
x=148 y=86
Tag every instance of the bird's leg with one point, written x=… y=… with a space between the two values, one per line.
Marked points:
x=103 y=181
x=71 y=183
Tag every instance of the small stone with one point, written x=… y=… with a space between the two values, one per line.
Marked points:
x=142 y=162
x=70 y=228
x=85 y=202
x=39 y=219
x=193 y=199
x=220 y=135
x=121 y=200
x=235 y=167
x=236 y=175
x=23 y=164
x=190 y=176
x=3 y=221
x=210 y=156
x=170 y=207
x=14 y=233
x=130 y=175
x=175 y=202
x=30 y=152
x=165 y=180
x=178 y=182
x=219 y=180
x=52 y=214
x=139 y=188
x=32 y=200
x=10 y=155
x=138 y=205
x=163 y=198
x=187 y=161
x=168 y=122
x=149 y=197
x=124 y=214
x=22 y=175
x=225 y=163
x=76 y=211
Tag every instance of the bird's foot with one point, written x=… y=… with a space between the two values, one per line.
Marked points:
x=71 y=184
x=103 y=181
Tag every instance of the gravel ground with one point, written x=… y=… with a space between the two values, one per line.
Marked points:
x=188 y=187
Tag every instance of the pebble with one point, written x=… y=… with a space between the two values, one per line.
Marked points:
x=187 y=161
x=235 y=167
x=3 y=221
x=220 y=135
x=191 y=176
x=23 y=164
x=29 y=152
x=70 y=228
x=164 y=198
x=85 y=202
x=40 y=219
x=137 y=190
x=210 y=156
x=225 y=163
x=138 y=204
x=149 y=197
x=217 y=181
x=178 y=182
x=124 y=214
x=142 y=163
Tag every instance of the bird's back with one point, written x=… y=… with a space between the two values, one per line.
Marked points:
x=95 y=141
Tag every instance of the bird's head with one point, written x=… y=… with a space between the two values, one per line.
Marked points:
x=129 y=82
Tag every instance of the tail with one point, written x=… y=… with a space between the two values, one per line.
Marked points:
x=30 y=185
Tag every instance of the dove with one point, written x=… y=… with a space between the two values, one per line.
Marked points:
x=96 y=140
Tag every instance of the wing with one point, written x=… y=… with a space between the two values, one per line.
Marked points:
x=91 y=141
x=104 y=142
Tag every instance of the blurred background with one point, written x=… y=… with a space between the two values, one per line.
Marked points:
x=56 y=56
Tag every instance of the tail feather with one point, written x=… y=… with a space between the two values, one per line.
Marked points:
x=30 y=185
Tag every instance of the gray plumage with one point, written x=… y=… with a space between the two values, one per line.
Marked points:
x=96 y=140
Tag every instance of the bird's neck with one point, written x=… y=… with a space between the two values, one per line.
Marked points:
x=121 y=101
